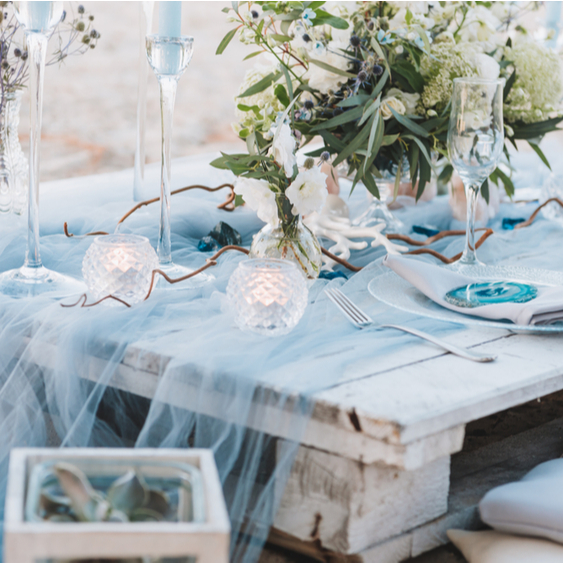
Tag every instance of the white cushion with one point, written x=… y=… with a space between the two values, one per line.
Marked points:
x=532 y=506
x=494 y=547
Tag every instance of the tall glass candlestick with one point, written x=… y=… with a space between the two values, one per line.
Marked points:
x=169 y=58
x=38 y=20
x=140 y=189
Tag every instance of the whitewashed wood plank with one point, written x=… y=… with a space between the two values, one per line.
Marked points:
x=431 y=396
x=349 y=506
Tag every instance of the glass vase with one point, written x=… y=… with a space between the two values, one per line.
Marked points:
x=14 y=167
x=289 y=240
x=377 y=211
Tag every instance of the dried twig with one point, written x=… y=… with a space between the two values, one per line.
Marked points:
x=535 y=213
x=82 y=301
x=227 y=205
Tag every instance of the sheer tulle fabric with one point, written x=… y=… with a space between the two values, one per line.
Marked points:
x=63 y=370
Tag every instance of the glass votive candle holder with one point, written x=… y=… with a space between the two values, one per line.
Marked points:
x=268 y=296
x=120 y=265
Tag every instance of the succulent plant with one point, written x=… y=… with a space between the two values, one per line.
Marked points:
x=128 y=499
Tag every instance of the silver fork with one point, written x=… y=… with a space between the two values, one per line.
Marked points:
x=359 y=319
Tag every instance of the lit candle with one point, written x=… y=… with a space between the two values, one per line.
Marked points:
x=120 y=265
x=170 y=19
x=268 y=296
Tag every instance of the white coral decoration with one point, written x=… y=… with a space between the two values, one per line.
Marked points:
x=308 y=191
x=333 y=223
x=259 y=197
x=283 y=149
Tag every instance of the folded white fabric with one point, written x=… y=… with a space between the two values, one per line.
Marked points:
x=494 y=547
x=532 y=506
x=435 y=282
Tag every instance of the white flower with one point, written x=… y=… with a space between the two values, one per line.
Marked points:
x=308 y=191
x=283 y=149
x=399 y=50
x=392 y=103
x=259 y=197
x=324 y=80
x=409 y=101
x=480 y=25
x=486 y=66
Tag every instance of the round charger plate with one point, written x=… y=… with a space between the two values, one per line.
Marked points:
x=393 y=290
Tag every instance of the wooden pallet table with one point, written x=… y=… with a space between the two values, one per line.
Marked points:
x=376 y=478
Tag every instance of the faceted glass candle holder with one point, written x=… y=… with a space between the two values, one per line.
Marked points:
x=119 y=265
x=269 y=297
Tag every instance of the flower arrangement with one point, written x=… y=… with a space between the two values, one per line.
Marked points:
x=270 y=182
x=374 y=80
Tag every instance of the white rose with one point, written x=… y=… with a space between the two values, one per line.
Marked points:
x=486 y=66
x=409 y=101
x=324 y=80
x=392 y=103
x=283 y=149
x=308 y=191
x=259 y=197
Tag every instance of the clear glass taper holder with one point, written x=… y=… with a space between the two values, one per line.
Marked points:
x=141 y=190
x=38 y=20
x=169 y=58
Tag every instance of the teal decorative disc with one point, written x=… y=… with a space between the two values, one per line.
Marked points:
x=491 y=293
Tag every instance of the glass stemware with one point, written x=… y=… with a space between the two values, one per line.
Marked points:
x=169 y=58
x=475 y=144
x=38 y=19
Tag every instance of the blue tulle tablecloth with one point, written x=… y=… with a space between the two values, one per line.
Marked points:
x=60 y=367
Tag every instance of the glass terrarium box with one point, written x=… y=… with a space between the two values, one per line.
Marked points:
x=118 y=505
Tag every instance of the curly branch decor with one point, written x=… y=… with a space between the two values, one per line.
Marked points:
x=535 y=213
x=227 y=205
x=212 y=261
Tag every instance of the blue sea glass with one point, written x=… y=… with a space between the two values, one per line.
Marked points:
x=491 y=293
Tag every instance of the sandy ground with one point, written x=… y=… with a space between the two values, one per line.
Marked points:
x=89 y=116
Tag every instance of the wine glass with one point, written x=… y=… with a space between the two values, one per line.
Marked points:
x=475 y=144
x=169 y=58
x=39 y=20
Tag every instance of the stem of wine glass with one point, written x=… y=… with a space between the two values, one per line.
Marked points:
x=37 y=45
x=168 y=87
x=469 y=256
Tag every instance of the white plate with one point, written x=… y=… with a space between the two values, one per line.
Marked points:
x=393 y=290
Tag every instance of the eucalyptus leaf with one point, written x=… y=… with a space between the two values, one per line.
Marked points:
x=331 y=68
x=539 y=152
x=409 y=124
x=225 y=41
x=261 y=85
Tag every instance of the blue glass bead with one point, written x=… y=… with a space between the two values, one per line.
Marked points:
x=207 y=244
x=326 y=275
x=491 y=293
x=508 y=223
x=422 y=230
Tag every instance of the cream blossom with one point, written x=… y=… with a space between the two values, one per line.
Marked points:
x=408 y=100
x=480 y=25
x=307 y=192
x=259 y=197
x=324 y=80
x=390 y=103
x=486 y=66
x=283 y=149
